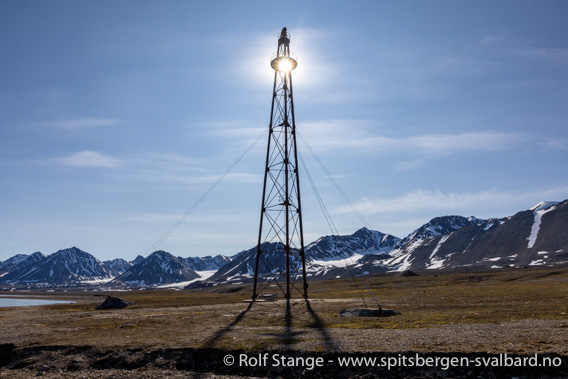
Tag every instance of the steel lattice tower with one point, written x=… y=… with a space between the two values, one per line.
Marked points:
x=280 y=255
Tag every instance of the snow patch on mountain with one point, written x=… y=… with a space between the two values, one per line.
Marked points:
x=204 y=275
x=339 y=262
x=440 y=243
x=539 y=210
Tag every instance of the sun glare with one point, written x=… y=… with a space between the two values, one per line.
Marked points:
x=285 y=65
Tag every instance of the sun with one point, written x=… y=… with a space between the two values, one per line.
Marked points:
x=284 y=64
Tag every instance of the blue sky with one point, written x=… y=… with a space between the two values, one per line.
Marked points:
x=116 y=116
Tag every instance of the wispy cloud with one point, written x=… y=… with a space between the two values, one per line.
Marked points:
x=236 y=177
x=422 y=200
x=438 y=203
x=238 y=132
x=88 y=158
x=468 y=141
x=355 y=135
x=84 y=123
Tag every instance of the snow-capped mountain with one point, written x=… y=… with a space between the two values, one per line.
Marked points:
x=537 y=236
x=242 y=265
x=331 y=256
x=322 y=256
x=160 y=267
x=117 y=266
x=533 y=237
x=19 y=263
x=63 y=267
x=424 y=239
x=207 y=263
x=362 y=242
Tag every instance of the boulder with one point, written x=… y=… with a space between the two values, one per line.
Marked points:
x=367 y=312
x=113 y=302
x=407 y=273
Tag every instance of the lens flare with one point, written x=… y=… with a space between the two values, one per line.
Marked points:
x=285 y=65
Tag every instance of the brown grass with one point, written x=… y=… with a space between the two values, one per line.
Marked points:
x=428 y=300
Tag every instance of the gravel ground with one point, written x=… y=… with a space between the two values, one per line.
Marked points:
x=232 y=325
x=192 y=342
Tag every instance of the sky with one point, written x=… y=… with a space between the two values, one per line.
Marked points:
x=116 y=117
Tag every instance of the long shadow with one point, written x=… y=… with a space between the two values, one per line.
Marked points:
x=288 y=336
x=221 y=332
x=320 y=326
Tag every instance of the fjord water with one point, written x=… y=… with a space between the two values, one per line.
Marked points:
x=20 y=301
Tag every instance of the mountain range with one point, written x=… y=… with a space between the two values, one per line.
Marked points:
x=537 y=236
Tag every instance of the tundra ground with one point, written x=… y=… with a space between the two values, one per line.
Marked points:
x=519 y=312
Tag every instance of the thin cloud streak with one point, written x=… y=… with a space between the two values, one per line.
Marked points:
x=150 y=168
x=88 y=158
x=353 y=135
x=401 y=215
x=84 y=123
x=419 y=201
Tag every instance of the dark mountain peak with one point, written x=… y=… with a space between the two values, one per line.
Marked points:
x=138 y=259
x=362 y=231
x=160 y=254
x=443 y=225
x=71 y=252
x=117 y=266
x=19 y=262
x=160 y=257
x=65 y=266
x=160 y=267
x=13 y=260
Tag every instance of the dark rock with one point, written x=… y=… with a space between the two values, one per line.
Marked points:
x=407 y=273
x=367 y=312
x=112 y=302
